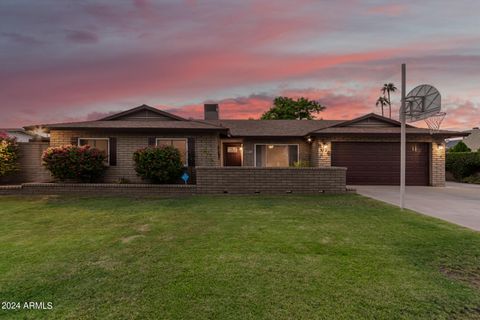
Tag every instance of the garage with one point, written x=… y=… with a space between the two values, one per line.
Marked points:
x=378 y=163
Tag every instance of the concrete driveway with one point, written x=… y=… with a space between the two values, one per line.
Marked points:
x=457 y=202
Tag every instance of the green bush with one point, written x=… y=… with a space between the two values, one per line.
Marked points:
x=84 y=164
x=158 y=164
x=462 y=164
x=8 y=155
x=460 y=147
x=472 y=179
x=301 y=164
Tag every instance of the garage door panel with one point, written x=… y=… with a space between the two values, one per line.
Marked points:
x=379 y=162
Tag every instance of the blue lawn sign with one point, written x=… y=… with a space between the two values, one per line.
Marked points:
x=185 y=177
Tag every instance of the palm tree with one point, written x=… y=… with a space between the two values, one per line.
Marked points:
x=387 y=88
x=382 y=101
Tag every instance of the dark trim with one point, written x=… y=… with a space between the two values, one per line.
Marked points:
x=191 y=151
x=119 y=129
x=152 y=141
x=113 y=151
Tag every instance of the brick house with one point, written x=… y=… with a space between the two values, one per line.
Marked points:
x=367 y=146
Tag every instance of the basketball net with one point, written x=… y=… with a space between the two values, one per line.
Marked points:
x=433 y=122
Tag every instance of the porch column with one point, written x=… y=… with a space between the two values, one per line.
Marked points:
x=437 y=168
x=322 y=153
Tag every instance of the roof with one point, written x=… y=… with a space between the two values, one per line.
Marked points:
x=20 y=130
x=273 y=128
x=132 y=124
x=147 y=118
x=140 y=118
x=383 y=130
x=143 y=107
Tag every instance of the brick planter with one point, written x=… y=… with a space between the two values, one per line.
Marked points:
x=97 y=189
x=250 y=180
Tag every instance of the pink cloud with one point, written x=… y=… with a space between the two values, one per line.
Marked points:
x=391 y=10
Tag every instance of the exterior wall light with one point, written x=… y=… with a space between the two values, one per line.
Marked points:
x=323 y=147
x=440 y=146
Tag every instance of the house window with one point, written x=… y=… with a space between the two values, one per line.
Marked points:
x=178 y=143
x=275 y=155
x=102 y=144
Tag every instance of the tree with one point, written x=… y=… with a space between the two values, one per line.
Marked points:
x=285 y=108
x=460 y=147
x=382 y=101
x=387 y=88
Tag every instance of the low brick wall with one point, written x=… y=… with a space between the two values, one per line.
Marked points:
x=30 y=164
x=97 y=189
x=250 y=180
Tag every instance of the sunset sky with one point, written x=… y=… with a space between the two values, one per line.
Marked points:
x=77 y=60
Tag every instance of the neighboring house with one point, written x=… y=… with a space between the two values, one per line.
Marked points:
x=473 y=139
x=20 y=134
x=368 y=146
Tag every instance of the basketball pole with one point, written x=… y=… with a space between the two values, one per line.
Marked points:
x=403 y=136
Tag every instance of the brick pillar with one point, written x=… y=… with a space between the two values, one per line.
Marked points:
x=438 y=164
x=323 y=153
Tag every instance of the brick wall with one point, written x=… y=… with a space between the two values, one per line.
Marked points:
x=437 y=172
x=206 y=149
x=93 y=189
x=30 y=165
x=249 y=180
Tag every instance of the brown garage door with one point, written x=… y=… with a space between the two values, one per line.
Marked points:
x=378 y=163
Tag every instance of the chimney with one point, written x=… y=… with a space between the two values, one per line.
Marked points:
x=211 y=111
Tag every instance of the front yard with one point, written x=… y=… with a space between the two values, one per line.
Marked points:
x=291 y=257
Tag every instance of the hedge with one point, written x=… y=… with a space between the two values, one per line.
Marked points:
x=76 y=163
x=158 y=164
x=462 y=164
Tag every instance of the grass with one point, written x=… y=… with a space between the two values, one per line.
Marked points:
x=291 y=257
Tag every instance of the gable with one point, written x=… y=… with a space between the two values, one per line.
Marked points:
x=371 y=122
x=143 y=113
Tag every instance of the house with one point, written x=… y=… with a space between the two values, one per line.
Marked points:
x=367 y=146
x=20 y=134
x=471 y=138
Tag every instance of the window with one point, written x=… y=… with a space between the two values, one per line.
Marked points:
x=179 y=143
x=101 y=144
x=275 y=155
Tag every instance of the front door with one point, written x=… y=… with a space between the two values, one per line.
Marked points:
x=232 y=154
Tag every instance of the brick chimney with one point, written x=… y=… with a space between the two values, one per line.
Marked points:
x=210 y=111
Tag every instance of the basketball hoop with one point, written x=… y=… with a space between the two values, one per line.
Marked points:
x=434 y=121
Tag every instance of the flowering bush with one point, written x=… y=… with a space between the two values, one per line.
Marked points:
x=158 y=164
x=70 y=162
x=8 y=154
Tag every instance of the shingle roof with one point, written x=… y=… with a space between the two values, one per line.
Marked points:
x=383 y=130
x=273 y=128
x=125 y=124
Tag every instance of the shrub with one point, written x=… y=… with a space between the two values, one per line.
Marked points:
x=472 y=179
x=70 y=162
x=8 y=155
x=301 y=164
x=462 y=164
x=460 y=147
x=158 y=164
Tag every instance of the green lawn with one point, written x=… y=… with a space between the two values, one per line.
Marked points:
x=283 y=257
